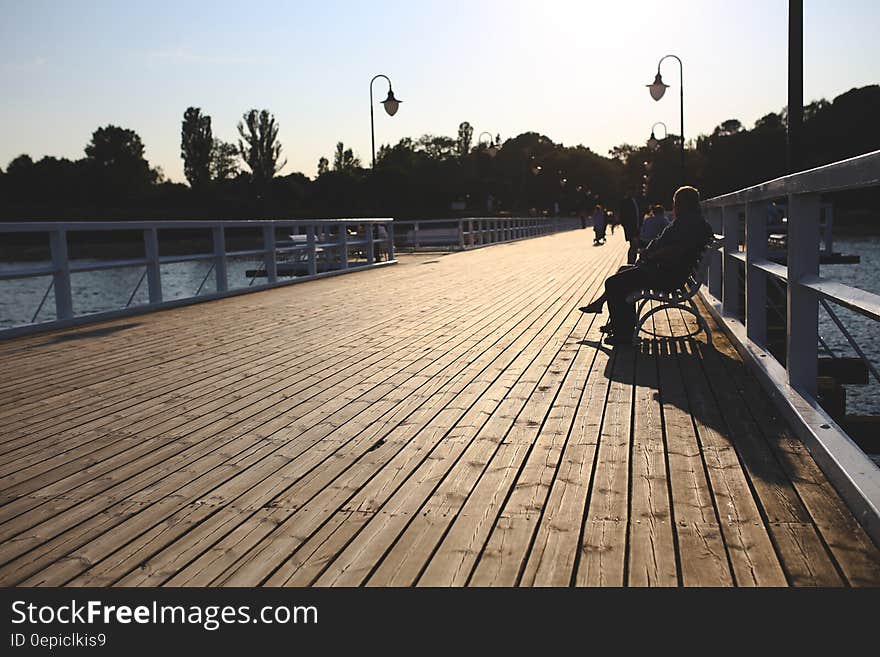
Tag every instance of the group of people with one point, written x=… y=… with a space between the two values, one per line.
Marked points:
x=672 y=249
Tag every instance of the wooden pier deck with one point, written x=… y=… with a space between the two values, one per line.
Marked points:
x=451 y=420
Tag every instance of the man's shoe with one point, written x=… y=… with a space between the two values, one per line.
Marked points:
x=607 y=328
x=595 y=307
x=618 y=340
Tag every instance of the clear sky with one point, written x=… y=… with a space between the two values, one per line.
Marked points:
x=574 y=70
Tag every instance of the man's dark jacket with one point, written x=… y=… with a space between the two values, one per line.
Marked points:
x=671 y=257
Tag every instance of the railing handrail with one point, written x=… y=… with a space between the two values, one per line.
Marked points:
x=142 y=224
x=853 y=173
x=548 y=219
x=318 y=238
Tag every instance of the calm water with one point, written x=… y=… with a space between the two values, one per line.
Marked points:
x=109 y=290
x=98 y=291
x=861 y=399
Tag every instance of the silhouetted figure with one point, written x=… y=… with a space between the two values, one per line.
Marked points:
x=653 y=224
x=665 y=264
x=628 y=215
x=599 y=221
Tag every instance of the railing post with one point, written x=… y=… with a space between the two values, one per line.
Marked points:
x=714 y=219
x=730 y=265
x=461 y=234
x=343 y=245
x=311 y=242
x=154 y=273
x=371 y=245
x=828 y=233
x=61 y=275
x=802 y=333
x=471 y=232
x=389 y=230
x=756 y=279
x=220 y=258
x=269 y=253
x=416 y=235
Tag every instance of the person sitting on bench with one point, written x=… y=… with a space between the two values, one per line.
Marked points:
x=665 y=264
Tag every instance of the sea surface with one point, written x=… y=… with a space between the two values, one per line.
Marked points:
x=112 y=289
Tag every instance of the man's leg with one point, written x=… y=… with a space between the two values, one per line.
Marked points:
x=596 y=306
x=617 y=289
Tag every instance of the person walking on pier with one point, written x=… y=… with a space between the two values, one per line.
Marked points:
x=628 y=217
x=599 y=222
x=665 y=264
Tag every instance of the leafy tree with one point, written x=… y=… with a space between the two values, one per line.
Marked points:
x=259 y=146
x=437 y=148
x=20 y=164
x=224 y=160
x=344 y=159
x=323 y=166
x=728 y=128
x=465 y=136
x=115 y=157
x=771 y=121
x=196 y=144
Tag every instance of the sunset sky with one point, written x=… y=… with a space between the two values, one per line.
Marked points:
x=573 y=70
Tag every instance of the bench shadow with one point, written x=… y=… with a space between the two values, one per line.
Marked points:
x=708 y=387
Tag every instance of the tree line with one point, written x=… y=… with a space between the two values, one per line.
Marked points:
x=429 y=176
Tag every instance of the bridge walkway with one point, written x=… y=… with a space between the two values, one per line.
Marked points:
x=452 y=420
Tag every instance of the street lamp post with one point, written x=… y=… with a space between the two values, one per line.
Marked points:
x=658 y=88
x=491 y=149
x=653 y=142
x=390 y=104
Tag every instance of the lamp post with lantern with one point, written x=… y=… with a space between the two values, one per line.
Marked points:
x=658 y=88
x=391 y=104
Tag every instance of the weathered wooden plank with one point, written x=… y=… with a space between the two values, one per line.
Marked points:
x=603 y=549
x=652 y=550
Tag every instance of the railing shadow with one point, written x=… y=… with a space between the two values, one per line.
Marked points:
x=93 y=333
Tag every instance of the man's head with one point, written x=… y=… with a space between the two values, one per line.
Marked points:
x=658 y=210
x=686 y=201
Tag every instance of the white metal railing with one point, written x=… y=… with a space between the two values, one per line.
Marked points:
x=318 y=248
x=741 y=271
x=805 y=287
x=475 y=232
